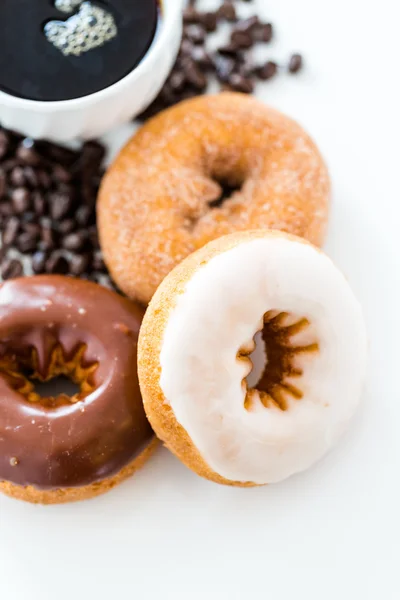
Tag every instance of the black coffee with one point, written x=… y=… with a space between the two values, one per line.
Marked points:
x=64 y=49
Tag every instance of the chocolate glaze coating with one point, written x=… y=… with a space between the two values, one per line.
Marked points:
x=70 y=444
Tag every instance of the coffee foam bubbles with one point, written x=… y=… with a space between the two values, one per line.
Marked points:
x=89 y=28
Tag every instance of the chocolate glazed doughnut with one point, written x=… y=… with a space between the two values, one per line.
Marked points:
x=60 y=449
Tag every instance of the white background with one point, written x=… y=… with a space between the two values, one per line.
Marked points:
x=333 y=532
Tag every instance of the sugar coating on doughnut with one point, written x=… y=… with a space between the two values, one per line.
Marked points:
x=241 y=434
x=159 y=200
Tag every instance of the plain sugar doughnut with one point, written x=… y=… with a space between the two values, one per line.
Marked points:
x=196 y=340
x=161 y=199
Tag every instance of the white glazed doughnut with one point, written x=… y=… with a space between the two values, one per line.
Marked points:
x=194 y=352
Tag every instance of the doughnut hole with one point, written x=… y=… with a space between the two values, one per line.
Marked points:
x=21 y=369
x=227 y=190
x=229 y=179
x=212 y=189
x=216 y=187
x=276 y=359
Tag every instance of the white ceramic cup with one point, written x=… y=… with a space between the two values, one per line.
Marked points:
x=93 y=115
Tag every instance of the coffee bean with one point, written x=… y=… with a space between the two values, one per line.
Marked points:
x=21 y=199
x=191 y=15
x=44 y=179
x=246 y=68
x=227 y=11
x=3 y=183
x=39 y=203
x=88 y=194
x=66 y=226
x=4 y=143
x=60 y=205
x=295 y=63
x=195 y=34
x=194 y=75
x=177 y=81
x=97 y=262
x=26 y=242
x=229 y=50
x=79 y=263
x=17 y=176
x=26 y=152
x=59 y=154
x=33 y=228
x=11 y=268
x=201 y=57
x=57 y=264
x=92 y=155
x=74 y=241
x=267 y=71
x=60 y=173
x=155 y=108
x=96 y=277
x=31 y=177
x=224 y=66
x=168 y=94
x=28 y=217
x=209 y=21
x=238 y=83
x=3 y=253
x=83 y=215
x=43 y=246
x=9 y=165
x=241 y=39
x=6 y=209
x=48 y=236
x=247 y=25
x=68 y=188
x=39 y=262
x=263 y=32
x=10 y=231
x=185 y=50
x=93 y=237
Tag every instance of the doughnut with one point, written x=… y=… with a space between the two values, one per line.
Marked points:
x=284 y=297
x=205 y=168
x=66 y=448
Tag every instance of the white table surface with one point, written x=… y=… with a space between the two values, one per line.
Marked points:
x=330 y=533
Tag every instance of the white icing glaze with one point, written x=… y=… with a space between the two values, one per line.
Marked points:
x=219 y=312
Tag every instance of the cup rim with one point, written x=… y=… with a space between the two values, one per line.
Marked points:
x=171 y=9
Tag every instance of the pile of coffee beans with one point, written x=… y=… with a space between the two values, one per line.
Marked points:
x=231 y=64
x=47 y=208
